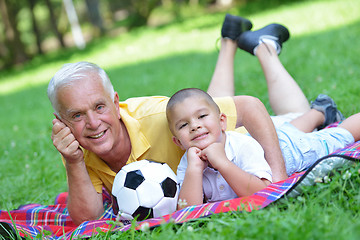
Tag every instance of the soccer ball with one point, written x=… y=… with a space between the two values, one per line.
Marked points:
x=144 y=189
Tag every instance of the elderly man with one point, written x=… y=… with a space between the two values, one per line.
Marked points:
x=96 y=135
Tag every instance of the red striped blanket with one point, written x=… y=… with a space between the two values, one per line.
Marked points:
x=53 y=221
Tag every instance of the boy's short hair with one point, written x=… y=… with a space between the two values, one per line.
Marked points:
x=185 y=93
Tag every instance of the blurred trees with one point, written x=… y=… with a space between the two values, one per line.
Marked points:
x=140 y=12
x=12 y=48
x=34 y=27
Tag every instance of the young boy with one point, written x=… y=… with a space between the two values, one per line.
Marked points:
x=219 y=165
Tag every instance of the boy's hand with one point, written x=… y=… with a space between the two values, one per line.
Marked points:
x=214 y=154
x=195 y=160
x=65 y=142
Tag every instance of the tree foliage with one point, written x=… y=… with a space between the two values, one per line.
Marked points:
x=32 y=27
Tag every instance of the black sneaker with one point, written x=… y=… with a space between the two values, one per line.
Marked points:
x=326 y=105
x=233 y=26
x=251 y=39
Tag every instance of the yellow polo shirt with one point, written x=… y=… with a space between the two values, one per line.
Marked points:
x=145 y=120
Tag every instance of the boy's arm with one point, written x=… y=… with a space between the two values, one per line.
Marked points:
x=241 y=182
x=191 y=192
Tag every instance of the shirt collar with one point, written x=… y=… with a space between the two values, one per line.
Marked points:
x=229 y=151
x=139 y=143
x=94 y=162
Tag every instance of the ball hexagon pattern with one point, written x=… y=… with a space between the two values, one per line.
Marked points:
x=145 y=189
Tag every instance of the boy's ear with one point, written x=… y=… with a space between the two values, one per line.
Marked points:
x=223 y=122
x=177 y=142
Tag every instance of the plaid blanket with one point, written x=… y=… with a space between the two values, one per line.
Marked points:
x=54 y=222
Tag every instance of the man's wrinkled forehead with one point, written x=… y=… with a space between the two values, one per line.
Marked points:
x=84 y=91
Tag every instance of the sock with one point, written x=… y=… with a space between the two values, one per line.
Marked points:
x=269 y=40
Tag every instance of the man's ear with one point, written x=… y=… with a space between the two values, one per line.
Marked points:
x=223 y=122
x=116 y=102
x=57 y=116
x=177 y=142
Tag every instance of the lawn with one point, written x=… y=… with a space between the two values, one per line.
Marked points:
x=322 y=55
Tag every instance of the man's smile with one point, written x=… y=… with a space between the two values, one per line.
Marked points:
x=97 y=136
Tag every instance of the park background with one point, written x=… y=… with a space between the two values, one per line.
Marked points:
x=177 y=47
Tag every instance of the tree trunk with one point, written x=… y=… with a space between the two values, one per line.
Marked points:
x=16 y=50
x=58 y=34
x=224 y=2
x=94 y=15
x=74 y=23
x=35 y=26
x=141 y=12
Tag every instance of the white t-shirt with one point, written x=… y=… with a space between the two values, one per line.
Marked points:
x=245 y=152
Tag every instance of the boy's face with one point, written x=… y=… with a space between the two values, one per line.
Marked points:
x=196 y=123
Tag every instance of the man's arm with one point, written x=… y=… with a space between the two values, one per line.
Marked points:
x=84 y=203
x=252 y=114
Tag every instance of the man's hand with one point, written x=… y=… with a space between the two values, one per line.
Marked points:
x=84 y=203
x=65 y=142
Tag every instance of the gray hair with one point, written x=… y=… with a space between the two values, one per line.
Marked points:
x=72 y=72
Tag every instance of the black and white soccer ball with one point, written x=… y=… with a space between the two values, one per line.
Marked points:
x=144 y=189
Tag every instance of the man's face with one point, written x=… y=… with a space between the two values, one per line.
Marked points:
x=195 y=123
x=93 y=118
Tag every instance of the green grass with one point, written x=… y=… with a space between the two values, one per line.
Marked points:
x=327 y=211
x=321 y=54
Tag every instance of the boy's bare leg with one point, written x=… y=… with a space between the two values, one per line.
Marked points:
x=323 y=112
x=309 y=121
x=352 y=125
x=222 y=82
x=285 y=95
